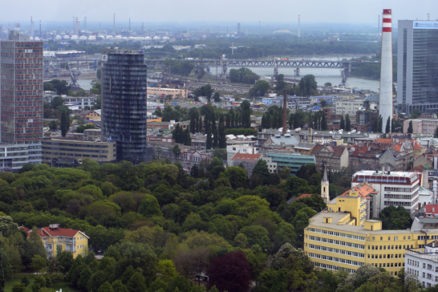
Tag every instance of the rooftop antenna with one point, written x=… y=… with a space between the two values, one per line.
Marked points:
x=129 y=25
x=114 y=22
x=40 y=30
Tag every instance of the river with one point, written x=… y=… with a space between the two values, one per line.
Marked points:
x=322 y=76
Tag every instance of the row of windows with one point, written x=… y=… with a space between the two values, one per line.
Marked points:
x=386 y=256
x=388 y=247
x=331 y=267
x=401 y=190
x=335 y=259
x=338 y=242
x=338 y=234
x=335 y=250
x=413 y=263
x=402 y=197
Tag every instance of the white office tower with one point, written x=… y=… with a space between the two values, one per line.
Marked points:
x=385 y=100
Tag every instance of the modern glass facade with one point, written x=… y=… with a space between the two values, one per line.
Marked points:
x=417 y=73
x=292 y=160
x=124 y=104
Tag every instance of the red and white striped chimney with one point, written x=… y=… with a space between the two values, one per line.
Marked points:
x=385 y=99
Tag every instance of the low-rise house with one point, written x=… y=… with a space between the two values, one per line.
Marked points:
x=246 y=160
x=56 y=240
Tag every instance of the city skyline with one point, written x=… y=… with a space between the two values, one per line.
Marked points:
x=339 y=11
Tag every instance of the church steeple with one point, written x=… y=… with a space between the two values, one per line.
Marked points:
x=325 y=186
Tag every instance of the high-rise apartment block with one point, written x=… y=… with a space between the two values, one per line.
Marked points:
x=21 y=101
x=417 y=65
x=124 y=104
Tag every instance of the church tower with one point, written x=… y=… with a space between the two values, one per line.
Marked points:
x=325 y=186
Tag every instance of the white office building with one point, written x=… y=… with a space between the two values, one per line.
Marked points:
x=423 y=265
x=393 y=188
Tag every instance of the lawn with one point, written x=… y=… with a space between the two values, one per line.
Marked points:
x=17 y=279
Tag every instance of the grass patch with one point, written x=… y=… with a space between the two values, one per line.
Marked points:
x=18 y=278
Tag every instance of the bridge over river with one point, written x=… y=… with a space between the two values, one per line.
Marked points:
x=223 y=64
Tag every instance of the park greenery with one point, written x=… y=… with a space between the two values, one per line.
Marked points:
x=243 y=75
x=161 y=229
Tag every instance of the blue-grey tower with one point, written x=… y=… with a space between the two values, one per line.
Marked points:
x=124 y=103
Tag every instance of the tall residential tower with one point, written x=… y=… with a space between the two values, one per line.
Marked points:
x=124 y=104
x=21 y=101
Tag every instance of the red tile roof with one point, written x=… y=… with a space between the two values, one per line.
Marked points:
x=47 y=231
x=304 y=196
x=432 y=209
x=364 y=191
x=246 y=157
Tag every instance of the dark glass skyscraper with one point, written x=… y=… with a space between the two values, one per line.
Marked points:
x=417 y=65
x=124 y=104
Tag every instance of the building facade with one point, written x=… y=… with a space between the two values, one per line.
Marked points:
x=57 y=239
x=290 y=159
x=393 y=188
x=422 y=265
x=124 y=104
x=21 y=90
x=21 y=101
x=342 y=238
x=70 y=152
x=417 y=65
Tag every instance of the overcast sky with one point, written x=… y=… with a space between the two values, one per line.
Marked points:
x=334 y=11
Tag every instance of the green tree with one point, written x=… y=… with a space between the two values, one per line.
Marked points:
x=260 y=88
x=435 y=134
x=245 y=109
x=243 y=75
x=308 y=85
x=136 y=283
x=205 y=90
x=65 y=121
x=395 y=218
x=222 y=143
x=106 y=287
x=347 y=122
x=388 y=126
x=411 y=128
x=38 y=263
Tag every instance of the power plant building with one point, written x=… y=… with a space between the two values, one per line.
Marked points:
x=124 y=104
x=417 y=66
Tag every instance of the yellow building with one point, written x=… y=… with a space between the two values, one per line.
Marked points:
x=56 y=239
x=341 y=237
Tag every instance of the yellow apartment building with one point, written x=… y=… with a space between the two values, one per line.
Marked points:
x=341 y=237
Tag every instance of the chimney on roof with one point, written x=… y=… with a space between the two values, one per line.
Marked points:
x=284 y=113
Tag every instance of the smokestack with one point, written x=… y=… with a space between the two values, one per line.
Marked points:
x=385 y=100
x=284 y=113
x=299 y=26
